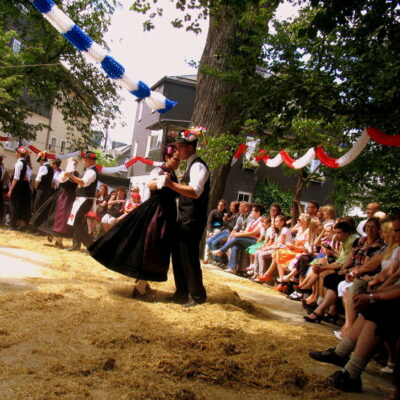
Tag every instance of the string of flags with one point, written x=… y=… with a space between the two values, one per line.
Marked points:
x=262 y=155
x=319 y=153
x=95 y=53
x=104 y=170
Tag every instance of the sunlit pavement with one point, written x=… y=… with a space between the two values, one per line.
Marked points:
x=17 y=264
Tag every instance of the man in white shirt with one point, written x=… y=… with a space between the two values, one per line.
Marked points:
x=192 y=219
x=372 y=208
x=43 y=181
x=57 y=171
x=85 y=199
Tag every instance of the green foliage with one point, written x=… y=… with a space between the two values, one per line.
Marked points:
x=80 y=91
x=105 y=160
x=219 y=150
x=268 y=192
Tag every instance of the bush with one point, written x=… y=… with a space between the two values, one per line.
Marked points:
x=268 y=192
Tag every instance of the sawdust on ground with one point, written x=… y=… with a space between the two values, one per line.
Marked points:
x=79 y=335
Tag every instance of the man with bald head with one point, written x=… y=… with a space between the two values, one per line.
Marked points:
x=372 y=208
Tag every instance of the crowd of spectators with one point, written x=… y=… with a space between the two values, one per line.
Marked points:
x=344 y=274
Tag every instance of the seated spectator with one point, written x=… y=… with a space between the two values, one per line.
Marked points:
x=130 y=204
x=242 y=239
x=366 y=264
x=378 y=319
x=93 y=218
x=301 y=247
x=265 y=234
x=311 y=209
x=115 y=209
x=328 y=216
x=214 y=224
x=372 y=208
x=236 y=221
x=358 y=251
x=282 y=238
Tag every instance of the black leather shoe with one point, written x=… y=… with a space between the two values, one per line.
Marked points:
x=341 y=380
x=75 y=247
x=329 y=356
x=177 y=299
x=191 y=304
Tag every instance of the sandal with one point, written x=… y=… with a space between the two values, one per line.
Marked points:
x=316 y=320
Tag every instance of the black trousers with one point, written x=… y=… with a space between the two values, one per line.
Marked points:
x=81 y=234
x=186 y=263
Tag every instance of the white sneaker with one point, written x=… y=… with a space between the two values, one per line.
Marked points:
x=388 y=369
x=338 y=335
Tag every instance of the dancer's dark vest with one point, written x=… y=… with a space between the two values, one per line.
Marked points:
x=194 y=210
x=89 y=191
x=45 y=183
x=22 y=174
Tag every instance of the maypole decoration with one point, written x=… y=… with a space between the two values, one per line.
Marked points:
x=88 y=47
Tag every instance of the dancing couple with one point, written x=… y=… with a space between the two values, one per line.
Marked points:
x=140 y=246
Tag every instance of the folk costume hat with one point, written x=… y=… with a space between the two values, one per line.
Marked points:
x=91 y=155
x=22 y=150
x=42 y=156
x=192 y=135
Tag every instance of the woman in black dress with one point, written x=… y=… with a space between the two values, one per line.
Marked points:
x=139 y=246
x=52 y=216
x=20 y=191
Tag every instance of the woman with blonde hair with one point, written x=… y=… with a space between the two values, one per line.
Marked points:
x=329 y=215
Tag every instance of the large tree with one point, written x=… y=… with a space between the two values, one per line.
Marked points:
x=48 y=70
x=319 y=79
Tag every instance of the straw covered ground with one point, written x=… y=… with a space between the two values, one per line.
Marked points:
x=79 y=335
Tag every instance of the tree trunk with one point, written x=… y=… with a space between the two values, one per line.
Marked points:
x=209 y=109
x=301 y=180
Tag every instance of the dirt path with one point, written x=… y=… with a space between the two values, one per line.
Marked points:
x=69 y=330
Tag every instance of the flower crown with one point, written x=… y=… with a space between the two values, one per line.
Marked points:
x=22 y=150
x=90 y=155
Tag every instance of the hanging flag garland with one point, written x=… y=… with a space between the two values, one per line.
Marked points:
x=382 y=138
x=88 y=47
x=319 y=152
x=262 y=155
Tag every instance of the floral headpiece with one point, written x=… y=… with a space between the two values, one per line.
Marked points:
x=22 y=150
x=90 y=154
x=41 y=156
x=192 y=135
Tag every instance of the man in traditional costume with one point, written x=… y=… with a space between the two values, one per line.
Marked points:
x=192 y=219
x=85 y=199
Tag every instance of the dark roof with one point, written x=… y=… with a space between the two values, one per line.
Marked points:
x=183 y=79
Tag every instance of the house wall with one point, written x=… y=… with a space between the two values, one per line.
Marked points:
x=244 y=180
x=43 y=138
x=140 y=137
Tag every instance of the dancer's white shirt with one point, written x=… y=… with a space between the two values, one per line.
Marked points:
x=42 y=172
x=199 y=175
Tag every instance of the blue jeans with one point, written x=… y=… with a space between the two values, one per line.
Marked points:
x=235 y=244
x=214 y=241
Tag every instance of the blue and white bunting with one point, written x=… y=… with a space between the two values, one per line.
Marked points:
x=87 y=46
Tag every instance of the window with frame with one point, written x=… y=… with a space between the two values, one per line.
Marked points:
x=11 y=145
x=244 y=196
x=155 y=139
x=63 y=146
x=53 y=144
